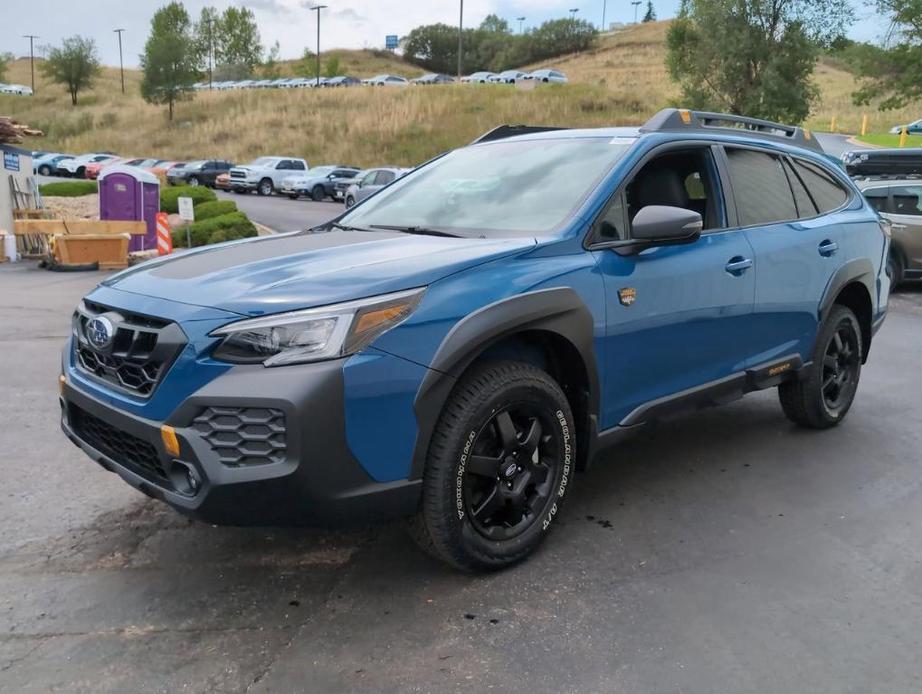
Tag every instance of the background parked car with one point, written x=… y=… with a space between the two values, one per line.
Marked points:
x=198 y=172
x=18 y=89
x=77 y=165
x=479 y=78
x=883 y=162
x=434 y=78
x=899 y=201
x=508 y=77
x=371 y=182
x=387 y=81
x=914 y=128
x=342 y=81
x=317 y=182
x=222 y=181
x=265 y=174
x=46 y=164
x=548 y=76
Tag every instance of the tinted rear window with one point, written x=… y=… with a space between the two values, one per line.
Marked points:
x=760 y=187
x=826 y=192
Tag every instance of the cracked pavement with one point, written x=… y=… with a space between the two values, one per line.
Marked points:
x=724 y=551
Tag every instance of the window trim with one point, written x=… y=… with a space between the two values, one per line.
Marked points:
x=591 y=243
x=849 y=193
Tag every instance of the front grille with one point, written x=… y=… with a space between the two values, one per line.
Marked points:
x=242 y=436
x=140 y=352
x=237 y=174
x=136 y=454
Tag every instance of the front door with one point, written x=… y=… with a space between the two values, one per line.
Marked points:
x=678 y=316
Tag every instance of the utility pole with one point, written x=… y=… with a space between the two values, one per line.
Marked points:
x=521 y=21
x=573 y=11
x=460 y=36
x=604 y=7
x=209 y=23
x=121 y=65
x=31 y=38
x=317 y=8
x=636 y=4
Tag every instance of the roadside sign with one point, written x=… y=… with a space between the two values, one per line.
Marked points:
x=186 y=211
x=11 y=161
x=391 y=41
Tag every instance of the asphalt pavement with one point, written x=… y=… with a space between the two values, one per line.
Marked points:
x=724 y=552
x=281 y=214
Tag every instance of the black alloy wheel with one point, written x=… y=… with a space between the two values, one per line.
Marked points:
x=841 y=366
x=509 y=477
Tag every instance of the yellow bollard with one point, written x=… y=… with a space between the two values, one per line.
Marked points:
x=904 y=133
x=832 y=124
x=864 y=124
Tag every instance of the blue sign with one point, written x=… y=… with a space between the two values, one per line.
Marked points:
x=391 y=41
x=11 y=161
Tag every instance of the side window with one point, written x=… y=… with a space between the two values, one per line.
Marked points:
x=760 y=186
x=907 y=200
x=826 y=192
x=283 y=165
x=877 y=197
x=369 y=178
x=384 y=177
x=612 y=225
x=296 y=165
x=805 y=206
x=208 y=165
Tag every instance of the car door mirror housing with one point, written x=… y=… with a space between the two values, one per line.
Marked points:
x=662 y=225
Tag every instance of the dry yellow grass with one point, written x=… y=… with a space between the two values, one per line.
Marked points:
x=622 y=81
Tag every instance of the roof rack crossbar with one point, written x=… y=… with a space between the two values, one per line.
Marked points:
x=503 y=131
x=676 y=119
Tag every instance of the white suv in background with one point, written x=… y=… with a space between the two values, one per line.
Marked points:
x=265 y=174
x=77 y=165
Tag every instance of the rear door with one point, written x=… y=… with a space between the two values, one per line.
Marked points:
x=905 y=213
x=784 y=206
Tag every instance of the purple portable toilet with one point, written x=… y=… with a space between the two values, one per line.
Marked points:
x=127 y=192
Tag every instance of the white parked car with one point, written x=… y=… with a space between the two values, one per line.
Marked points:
x=479 y=78
x=20 y=89
x=77 y=165
x=387 y=81
x=548 y=76
x=508 y=77
x=265 y=174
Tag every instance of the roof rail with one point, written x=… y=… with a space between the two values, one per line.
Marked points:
x=680 y=119
x=503 y=131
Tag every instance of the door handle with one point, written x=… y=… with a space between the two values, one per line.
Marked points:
x=738 y=265
x=894 y=225
x=828 y=248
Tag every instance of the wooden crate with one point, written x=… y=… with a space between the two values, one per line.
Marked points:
x=109 y=250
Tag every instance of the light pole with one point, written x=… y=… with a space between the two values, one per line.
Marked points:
x=636 y=4
x=604 y=7
x=573 y=11
x=31 y=38
x=521 y=21
x=460 y=37
x=121 y=65
x=317 y=8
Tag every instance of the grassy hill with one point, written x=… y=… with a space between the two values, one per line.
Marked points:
x=621 y=81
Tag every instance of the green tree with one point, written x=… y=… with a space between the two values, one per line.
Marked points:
x=170 y=59
x=763 y=62
x=270 y=67
x=331 y=67
x=893 y=73
x=238 y=40
x=75 y=65
x=650 y=14
x=5 y=60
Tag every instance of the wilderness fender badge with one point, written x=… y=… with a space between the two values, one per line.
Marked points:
x=626 y=295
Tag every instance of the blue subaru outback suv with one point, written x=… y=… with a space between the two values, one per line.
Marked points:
x=455 y=347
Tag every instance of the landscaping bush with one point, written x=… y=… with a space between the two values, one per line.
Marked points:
x=68 y=189
x=225 y=227
x=215 y=208
x=169 y=197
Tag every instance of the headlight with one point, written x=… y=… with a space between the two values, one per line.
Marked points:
x=315 y=334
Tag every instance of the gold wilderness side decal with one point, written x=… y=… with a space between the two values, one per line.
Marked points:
x=626 y=295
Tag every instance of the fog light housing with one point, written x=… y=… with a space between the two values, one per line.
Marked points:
x=185 y=478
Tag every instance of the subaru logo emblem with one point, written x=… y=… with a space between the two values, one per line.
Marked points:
x=510 y=469
x=99 y=332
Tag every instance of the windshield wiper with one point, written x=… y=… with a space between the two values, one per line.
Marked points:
x=345 y=227
x=421 y=231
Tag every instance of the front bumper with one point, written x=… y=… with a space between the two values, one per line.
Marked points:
x=243 y=184
x=315 y=480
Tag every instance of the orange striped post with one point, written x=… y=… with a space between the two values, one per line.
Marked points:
x=164 y=235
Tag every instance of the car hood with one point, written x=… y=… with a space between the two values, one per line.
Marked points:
x=301 y=270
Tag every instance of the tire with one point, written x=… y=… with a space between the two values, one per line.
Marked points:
x=498 y=467
x=193 y=181
x=265 y=187
x=895 y=269
x=240 y=191
x=318 y=194
x=44 y=170
x=80 y=173
x=350 y=201
x=824 y=397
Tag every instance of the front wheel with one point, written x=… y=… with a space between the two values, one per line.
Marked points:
x=350 y=201
x=318 y=193
x=824 y=397
x=44 y=170
x=265 y=187
x=895 y=269
x=498 y=467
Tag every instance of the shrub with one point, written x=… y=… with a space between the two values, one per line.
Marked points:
x=225 y=227
x=68 y=189
x=169 y=197
x=215 y=208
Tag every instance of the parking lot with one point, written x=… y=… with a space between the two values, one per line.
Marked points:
x=728 y=551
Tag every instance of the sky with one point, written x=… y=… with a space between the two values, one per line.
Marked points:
x=344 y=24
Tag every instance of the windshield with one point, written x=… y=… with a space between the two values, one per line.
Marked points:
x=262 y=161
x=514 y=186
x=320 y=170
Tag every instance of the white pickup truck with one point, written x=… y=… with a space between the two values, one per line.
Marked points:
x=265 y=174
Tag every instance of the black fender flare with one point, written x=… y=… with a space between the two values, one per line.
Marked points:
x=858 y=270
x=558 y=310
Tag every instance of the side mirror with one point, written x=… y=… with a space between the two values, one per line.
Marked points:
x=662 y=225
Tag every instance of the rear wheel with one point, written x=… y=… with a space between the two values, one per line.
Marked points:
x=318 y=193
x=824 y=397
x=498 y=467
x=895 y=268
